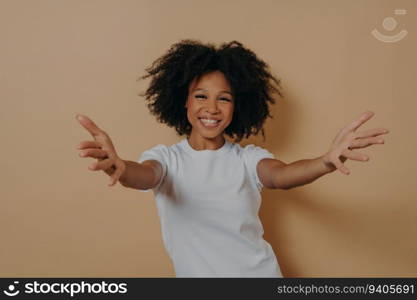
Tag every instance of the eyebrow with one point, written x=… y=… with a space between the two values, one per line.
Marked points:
x=220 y=91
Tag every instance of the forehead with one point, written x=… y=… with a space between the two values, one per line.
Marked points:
x=212 y=80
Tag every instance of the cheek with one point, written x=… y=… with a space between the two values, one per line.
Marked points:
x=229 y=113
x=190 y=116
x=192 y=112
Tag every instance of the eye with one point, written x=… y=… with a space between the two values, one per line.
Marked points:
x=204 y=96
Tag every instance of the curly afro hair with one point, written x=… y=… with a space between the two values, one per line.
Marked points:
x=251 y=82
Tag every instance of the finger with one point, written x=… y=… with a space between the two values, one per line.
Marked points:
x=358 y=122
x=94 y=153
x=88 y=144
x=340 y=166
x=363 y=143
x=371 y=132
x=101 y=165
x=354 y=155
x=116 y=175
x=88 y=124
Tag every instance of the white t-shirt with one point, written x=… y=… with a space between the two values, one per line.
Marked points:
x=208 y=203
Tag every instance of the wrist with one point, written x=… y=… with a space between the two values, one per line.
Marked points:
x=327 y=164
x=122 y=177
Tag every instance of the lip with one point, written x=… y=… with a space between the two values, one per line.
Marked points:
x=211 y=118
x=210 y=126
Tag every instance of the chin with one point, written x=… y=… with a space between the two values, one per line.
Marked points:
x=210 y=135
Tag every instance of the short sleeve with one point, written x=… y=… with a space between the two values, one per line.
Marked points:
x=252 y=155
x=159 y=153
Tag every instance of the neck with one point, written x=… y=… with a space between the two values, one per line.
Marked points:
x=202 y=143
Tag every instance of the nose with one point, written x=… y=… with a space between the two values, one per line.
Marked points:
x=211 y=106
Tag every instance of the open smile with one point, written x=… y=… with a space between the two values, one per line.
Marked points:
x=209 y=123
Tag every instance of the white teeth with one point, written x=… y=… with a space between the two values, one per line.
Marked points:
x=210 y=121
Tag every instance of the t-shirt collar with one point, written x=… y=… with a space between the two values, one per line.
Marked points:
x=187 y=147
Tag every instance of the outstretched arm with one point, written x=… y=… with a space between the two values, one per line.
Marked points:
x=275 y=174
x=129 y=173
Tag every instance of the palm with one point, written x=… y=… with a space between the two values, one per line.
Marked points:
x=348 y=139
x=102 y=149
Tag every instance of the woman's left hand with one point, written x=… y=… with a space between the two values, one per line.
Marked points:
x=347 y=139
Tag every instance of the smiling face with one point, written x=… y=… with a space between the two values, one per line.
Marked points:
x=210 y=107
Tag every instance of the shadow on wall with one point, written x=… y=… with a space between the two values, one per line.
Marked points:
x=313 y=235
x=325 y=234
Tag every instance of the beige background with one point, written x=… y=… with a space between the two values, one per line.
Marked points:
x=60 y=58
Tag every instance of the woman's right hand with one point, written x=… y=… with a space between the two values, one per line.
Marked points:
x=102 y=149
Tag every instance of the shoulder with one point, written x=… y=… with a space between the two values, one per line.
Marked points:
x=163 y=153
x=157 y=149
x=251 y=155
x=251 y=151
x=159 y=152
